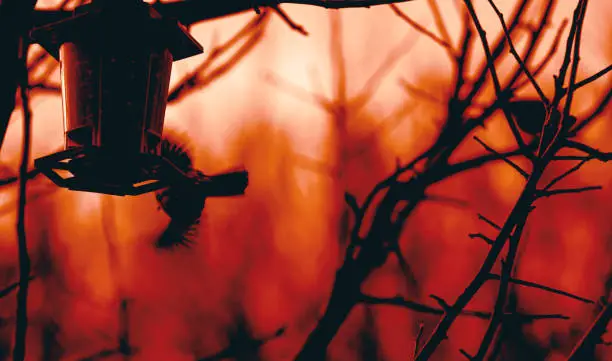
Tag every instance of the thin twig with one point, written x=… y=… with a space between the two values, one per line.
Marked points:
x=437 y=15
x=594 y=114
x=417 y=340
x=506 y=160
x=554 y=192
x=594 y=77
x=565 y=174
x=12 y=287
x=517 y=216
x=205 y=73
x=426 y=309
x=592 y=152
x=487 y=240
x=500 y=302
x=496 y=83
x=287 y=19
x=538 y=286
x=593 y=335
x=489 y=222
x=517 y=56
x=546 y=58
x=19 y=350
x=418 y=27
x=10 y=180
x=575 y=61
x=420 y=92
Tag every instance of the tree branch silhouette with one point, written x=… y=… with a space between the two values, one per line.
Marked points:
x=205 y=73
x=519 y=214
x=367 y=253
x=593 y=336
x=19 y=349
x=189 y=12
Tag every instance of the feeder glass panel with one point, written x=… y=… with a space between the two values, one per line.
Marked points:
x=80 y=95
x=160 y=66
x=114 y=93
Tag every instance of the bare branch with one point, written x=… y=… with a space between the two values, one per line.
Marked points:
x=593 y=336
x=576 y=60
x=421 y=29
x=505 y=159
x=189 y=12
x=502 y=293
x=517 y=56
x=549 y=54
x=433 y=6
x=488 y=240
x=594 y=114
x=491 y=65
x=420 y=92
x=489 y=222
x=417 y=341
x=10 y=180
x=352 y=203
x=412 y=305
x=538 y=286
x=594 y=77
x=296 y=91
x=19 y=350
x=8 y=290
x=466 y=354
x=292 y=24
x=206 y=72
x=567 y=173
x=569 y=157
x=592 y=152
x=554 y=192
x=422 y=308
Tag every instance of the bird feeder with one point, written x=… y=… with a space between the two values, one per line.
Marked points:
x=115 y=62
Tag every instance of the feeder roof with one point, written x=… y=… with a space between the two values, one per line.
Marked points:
x=136 y=20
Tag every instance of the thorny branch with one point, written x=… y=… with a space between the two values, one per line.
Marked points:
x=367 y=253
x=500 y=302
x=518 y=216
x=422 y=308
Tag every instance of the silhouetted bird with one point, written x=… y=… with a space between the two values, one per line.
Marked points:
x=530 y=116
x=184 y=201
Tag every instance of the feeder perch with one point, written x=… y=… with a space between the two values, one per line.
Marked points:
x=115 y=63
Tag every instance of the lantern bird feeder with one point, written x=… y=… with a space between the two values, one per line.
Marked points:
x=115 y=62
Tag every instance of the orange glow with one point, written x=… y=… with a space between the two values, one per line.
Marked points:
x=268 y=259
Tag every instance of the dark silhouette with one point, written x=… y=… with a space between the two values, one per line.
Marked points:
x=371 y=225
x=184 y=201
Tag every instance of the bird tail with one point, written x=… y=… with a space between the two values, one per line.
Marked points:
x=226 y=185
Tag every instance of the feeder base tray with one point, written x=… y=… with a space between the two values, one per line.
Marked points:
x=92 y=169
